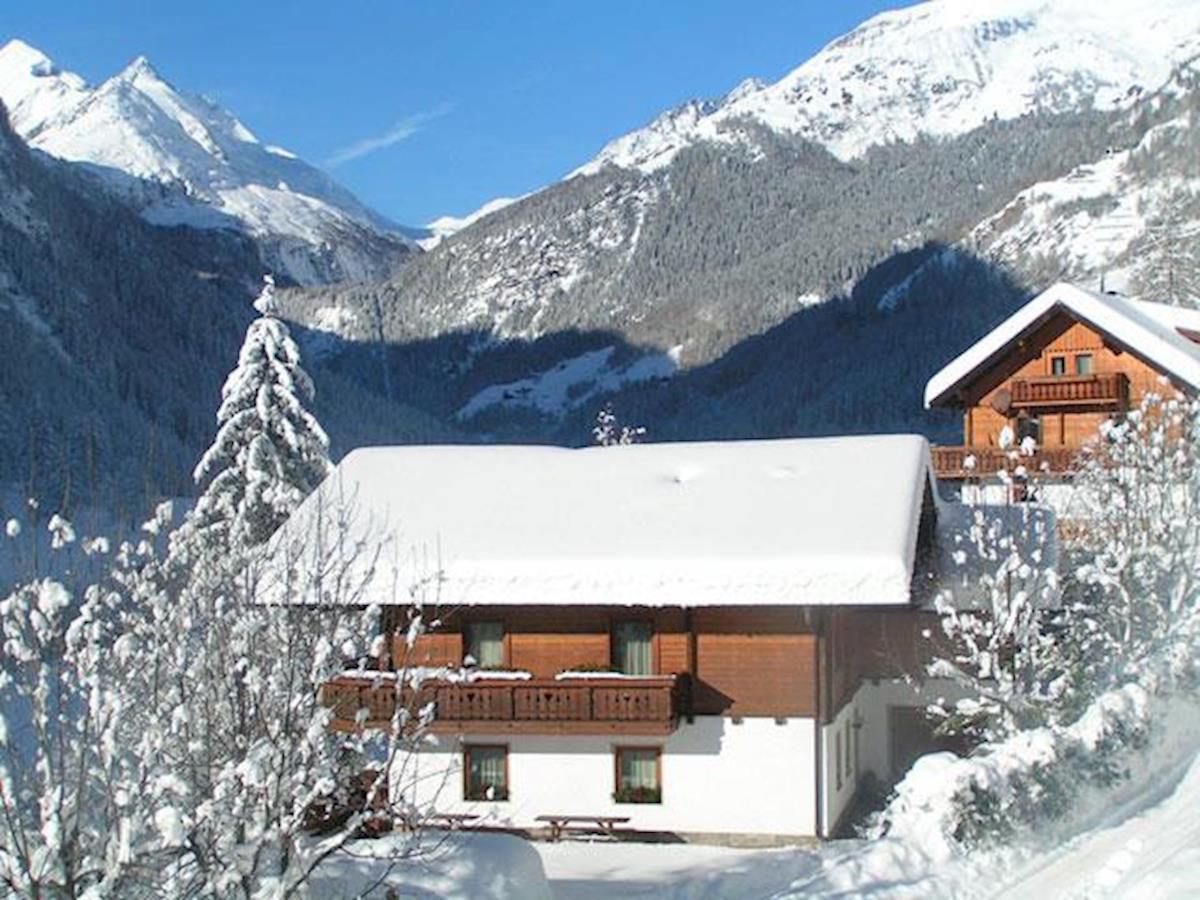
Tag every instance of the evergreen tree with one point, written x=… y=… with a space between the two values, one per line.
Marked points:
x=269 y=452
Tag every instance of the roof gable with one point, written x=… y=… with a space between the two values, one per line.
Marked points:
x=1151 y=331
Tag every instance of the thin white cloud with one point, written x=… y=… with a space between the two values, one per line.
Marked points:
x=402 y=130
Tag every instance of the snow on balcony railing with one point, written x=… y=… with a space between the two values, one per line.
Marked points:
x=594 y=705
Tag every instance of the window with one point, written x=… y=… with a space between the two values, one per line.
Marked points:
x=484 y=642
x=1029 y=427
x=1058 y=365
x=837 y=758
x=485 y=772
x=846 y=746
x=1084 y=364
x=633 y=648
x=638 y=775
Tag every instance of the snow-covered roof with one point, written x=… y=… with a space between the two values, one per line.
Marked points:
x=814 y=521
x=1149 y=330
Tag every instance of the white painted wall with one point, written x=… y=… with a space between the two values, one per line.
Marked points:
x=756 y=777
x=872 y=701
x=834 y=799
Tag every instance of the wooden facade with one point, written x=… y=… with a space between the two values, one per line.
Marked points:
x=1057 y=384
x=763 y=661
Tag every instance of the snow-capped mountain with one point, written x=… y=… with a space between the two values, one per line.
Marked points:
x=448 y=226
x=940 y=68
x=184 y=160
x=987 y=149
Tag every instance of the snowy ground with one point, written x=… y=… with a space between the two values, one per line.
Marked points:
x=597 y=870
x=1147 y=849
x=1149 y=852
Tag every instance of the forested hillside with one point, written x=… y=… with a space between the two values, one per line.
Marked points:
x=783 y=290
x=713 y=275
x=116 y=336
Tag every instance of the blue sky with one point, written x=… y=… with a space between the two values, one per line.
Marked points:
x=431 y=108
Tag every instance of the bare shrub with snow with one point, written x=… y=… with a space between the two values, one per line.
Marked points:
x=609 y=431
x=166 y=737
x=1002 y=652
x=1138 y=544
x=162 y=732
x=1123 y=650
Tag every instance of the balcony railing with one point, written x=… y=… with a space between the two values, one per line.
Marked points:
x=1107 y=390
x=958 y=463
x=650 y=705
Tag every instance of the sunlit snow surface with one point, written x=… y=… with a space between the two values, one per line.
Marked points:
x=813 y=521
x=572 y=383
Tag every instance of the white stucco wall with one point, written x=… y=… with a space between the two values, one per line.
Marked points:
x=834 y=799
x=755 y=777
x=873 y=699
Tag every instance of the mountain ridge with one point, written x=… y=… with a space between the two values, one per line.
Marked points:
x=939 y=68
x=181 y=159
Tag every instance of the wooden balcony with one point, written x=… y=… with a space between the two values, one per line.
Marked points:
x=959 y=463
x=1105 y=390
x=645 y=706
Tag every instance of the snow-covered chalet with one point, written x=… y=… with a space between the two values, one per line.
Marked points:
x=705 y=638
x=1052 y=372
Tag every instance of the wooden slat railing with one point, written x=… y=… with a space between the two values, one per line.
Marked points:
x=1103 y=389
x=957 y=463
x=649 y=705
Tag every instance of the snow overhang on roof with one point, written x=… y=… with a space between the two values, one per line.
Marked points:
x=797 y=522
x=1149 y=330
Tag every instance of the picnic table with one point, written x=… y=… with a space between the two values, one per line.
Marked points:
x=602 y=824
x=448 y=820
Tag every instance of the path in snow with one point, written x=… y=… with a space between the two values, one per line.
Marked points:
x=1150 y=854
x=603 y=870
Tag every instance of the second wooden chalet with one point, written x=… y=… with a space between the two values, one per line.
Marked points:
x=703 y=638
x=1053 y=371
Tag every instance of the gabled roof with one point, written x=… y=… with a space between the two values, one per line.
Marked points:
x=815 y=521
x=1151 y=331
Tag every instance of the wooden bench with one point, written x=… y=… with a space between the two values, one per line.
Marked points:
x=448 y=820
x=591 y=824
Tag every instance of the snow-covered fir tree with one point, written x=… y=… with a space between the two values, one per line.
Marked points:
x=269 y=452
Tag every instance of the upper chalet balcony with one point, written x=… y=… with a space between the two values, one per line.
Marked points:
x=648 y=705
x=1103 y=390
x=960 y=463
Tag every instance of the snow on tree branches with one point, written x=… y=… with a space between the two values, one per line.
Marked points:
x=269 y=452
x=163 y=735
x=609 y=432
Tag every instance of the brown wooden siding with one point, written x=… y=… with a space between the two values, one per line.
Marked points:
x=878 y=643
x=1030 y=361
x=758 y=661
